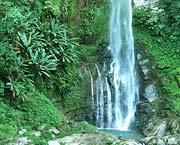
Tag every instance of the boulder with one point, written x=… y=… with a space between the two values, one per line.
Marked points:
x=150 y=93
x=53 y=142
x=37 y=133
x=162 y=129
x=142 y=62
x=22 y=131
x=54 y=130
x=145 y=70
x=138 y=56
x=160 y=142
x=175 y=126
x=172 y=141
x=21 y=141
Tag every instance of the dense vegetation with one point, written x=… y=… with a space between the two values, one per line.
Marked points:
x=42 y=46
x=158 y=29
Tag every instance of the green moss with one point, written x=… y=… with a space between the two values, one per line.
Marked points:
x=39 y=110
x=75 y=128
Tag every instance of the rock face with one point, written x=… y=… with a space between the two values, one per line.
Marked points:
x=162 y=132
x=162 y=129
x=93 y=139
x=155 y=124
x=148 y=87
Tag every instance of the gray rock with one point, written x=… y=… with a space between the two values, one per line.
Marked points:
x=37 y=133
x=172 y=141
x=150 y=93
x=21 y=141
x=147 y=139
x=175 y=125
x=53 y=142
x=162 y=129
x=42 y=127
x=89 y=139
x=138 y=56
x=54 y=130
x=22 y=131
x=142 y=62
x=145 y=70
x=160 y=142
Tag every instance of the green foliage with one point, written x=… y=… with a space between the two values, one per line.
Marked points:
x=167 y=64
x=8 y=122
x=163 y=22
x=38 y=56
x=16 y=87
x=93 y=24
x=75 y=128
x=1 y=88
x=40 y=63
x=152 y=20
x=33 y=113
x=7 y=131
x=164 y=44
x=8 y=59
x=39 y=110
x=53 y=7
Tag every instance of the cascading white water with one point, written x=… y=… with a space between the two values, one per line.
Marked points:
x=116 y=101
x=100 y=100
x=122 y=47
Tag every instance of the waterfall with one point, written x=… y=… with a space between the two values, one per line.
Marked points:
x=92 y=95
x=117 y=90
x=123 y=64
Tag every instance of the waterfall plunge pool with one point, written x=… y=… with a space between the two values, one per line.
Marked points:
x=130 y=134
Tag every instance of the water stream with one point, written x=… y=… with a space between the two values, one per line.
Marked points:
x=117 y=90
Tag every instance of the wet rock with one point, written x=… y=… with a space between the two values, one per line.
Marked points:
x=162 y=130
x=138 y=56
x=160 y=142
x=130 y=142
x=95 y=139
x=142 y=62
x=172 y=141
x=147 y=139
x=145 y=70
x=150 y=93
x=175 y=126
x=82 y=139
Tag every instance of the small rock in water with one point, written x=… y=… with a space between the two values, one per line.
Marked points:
x=121 y=138
x=52 y=142
x=22 y=131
